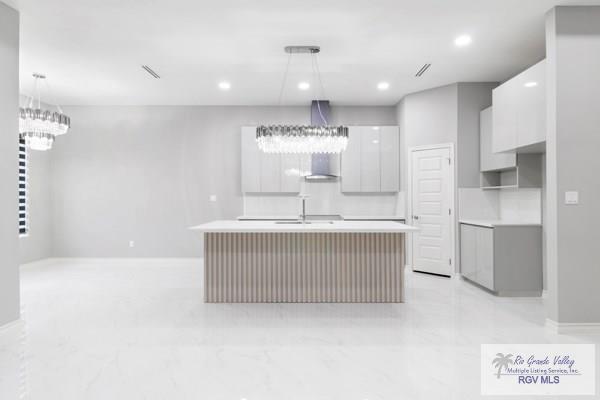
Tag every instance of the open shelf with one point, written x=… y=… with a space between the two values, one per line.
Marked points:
x=500 y=187
x=526 y=174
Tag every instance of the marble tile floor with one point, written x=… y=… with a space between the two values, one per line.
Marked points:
x=138 y=329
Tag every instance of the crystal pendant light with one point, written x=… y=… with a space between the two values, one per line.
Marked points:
x=39 y=127
x=306 y=139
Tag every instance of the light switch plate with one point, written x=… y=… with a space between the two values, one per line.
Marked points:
x=213 y=197
x=571 y=197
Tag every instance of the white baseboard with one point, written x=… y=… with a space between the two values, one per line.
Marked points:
x=16 y=324
x=573 y=327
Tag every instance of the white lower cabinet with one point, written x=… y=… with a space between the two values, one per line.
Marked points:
x=504 y=259
x=485 y=257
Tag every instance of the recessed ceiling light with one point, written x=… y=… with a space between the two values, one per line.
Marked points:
x=530 y=84
x=224 y=85
x=304 y=86
x=463 y=40
x=383 y=86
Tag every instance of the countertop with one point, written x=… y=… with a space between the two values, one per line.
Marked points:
x=335 y=226
x=346 y=217
x=490 y=223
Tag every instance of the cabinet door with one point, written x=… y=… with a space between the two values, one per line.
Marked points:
x=250 y=161
x=468 y=251
x=504 y=118
x=490 y=161
x=270 y=173
x=485 y=257
x=389 y=145
x=370 y=168
x=531 y=110
x=351 y=161
x=290 y=173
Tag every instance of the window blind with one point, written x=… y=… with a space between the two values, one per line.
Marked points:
x=23 y=212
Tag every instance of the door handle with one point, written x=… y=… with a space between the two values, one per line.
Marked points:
x=415 y=217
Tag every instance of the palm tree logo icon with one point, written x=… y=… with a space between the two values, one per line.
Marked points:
x=501 y=361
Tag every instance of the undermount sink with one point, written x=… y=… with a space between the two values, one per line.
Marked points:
x=303 y=222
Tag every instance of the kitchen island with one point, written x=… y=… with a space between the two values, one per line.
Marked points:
x=291 y=261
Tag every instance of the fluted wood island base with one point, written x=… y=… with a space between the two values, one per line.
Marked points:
x=272 y=262
x=266 y=267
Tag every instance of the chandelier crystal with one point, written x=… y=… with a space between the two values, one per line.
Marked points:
x=39 y=127
x=302 y=139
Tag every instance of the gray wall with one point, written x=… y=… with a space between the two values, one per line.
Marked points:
x=9 y=128
x=427 y=117
x=447 y=114
x=146 y=173
x=573 y=142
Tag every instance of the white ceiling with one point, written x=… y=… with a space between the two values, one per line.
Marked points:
x=92 y=50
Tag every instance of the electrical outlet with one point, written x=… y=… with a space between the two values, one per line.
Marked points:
x=131 y=243
x=571 y=198
x=213 y=198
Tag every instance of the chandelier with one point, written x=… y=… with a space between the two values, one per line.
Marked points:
x=305 y=139
x=39 y=127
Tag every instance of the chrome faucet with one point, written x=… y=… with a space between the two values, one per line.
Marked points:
x=303 y=215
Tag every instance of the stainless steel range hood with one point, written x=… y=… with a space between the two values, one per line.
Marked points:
x=323 y=167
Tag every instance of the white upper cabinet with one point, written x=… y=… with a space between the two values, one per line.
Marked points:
x=370 y=171
x=389 y=145
x=531 y=115
x=504 y=118
x=290 y=173
x=270 y=172
x=350 y=160
x=250 y=161
x=267 y=173
x=519 y=112
x=490 y=161
x=371 y=162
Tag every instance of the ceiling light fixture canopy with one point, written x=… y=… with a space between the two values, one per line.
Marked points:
x=39 y=127
x=302 y=139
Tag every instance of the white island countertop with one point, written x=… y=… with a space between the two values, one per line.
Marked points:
x=313 y=226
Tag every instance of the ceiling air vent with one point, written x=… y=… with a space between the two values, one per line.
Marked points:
x=151 y=71
x=422 y=70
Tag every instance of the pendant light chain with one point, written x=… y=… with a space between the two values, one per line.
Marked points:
x=303 y=139
x=287 y=68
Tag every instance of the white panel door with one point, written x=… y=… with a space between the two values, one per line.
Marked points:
x=370 y=176
x=431 y=202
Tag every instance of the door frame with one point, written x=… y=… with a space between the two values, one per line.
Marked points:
x=409 y=207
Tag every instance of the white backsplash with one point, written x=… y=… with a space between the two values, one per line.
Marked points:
x=326 y=198
x=474 y=203
x=522 y=205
